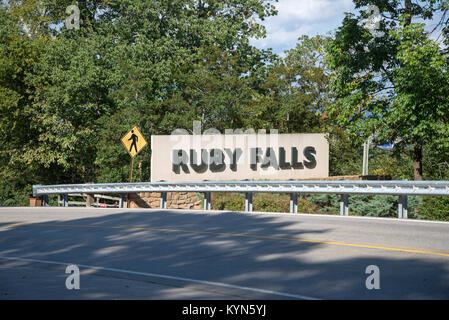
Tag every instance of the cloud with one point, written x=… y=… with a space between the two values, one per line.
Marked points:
x=299 y=17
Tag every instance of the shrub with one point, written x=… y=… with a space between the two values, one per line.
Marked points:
x=324 y=203
x=305 y=206
x=228 y=201
x=434 y=208
x=267 y=202
x=10 y=196
x=373 y=206
x=363 y=205
x=262 y=202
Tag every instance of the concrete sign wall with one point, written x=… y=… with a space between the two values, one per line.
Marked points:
x=239 y=157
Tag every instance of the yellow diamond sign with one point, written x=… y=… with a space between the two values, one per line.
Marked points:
x=134 y=142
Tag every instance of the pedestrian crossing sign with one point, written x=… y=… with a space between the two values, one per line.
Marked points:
x=134 y=142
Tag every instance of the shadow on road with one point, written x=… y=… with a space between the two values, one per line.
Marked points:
x=258 y=251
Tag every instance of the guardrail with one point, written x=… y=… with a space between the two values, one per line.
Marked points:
x=400 y=188
x=89 y=200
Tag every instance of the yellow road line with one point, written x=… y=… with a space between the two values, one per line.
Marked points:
x=245 y=235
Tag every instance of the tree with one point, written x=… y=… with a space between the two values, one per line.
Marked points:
x=18 y=53
x=122 y=59
x=216 y=90
x=392 y=84
x=295 y=92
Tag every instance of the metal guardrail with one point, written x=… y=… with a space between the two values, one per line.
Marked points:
x=88 y=203
x=400 y=188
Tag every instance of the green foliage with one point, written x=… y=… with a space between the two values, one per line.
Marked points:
x=387 y=163
x=434 y=208
x=271 y=203
x=325 y=203
x=305 y=206
x=14 y=195
x=393 y=85
x=63 y=92
x=212 y=90
x=373 y=206
x=437 y=165
x=267 y=202
x=262 y=202
x=68 y=96
x=296 y=92
x=111 y=159
x=363 y=205
x=344 y=157
x=228 y=201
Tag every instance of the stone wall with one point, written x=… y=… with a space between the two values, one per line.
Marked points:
x=175 y=200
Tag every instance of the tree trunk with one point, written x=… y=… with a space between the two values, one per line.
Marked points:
x=417 y=162
x=408 y=10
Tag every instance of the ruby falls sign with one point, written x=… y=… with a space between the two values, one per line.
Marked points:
x=239 y=157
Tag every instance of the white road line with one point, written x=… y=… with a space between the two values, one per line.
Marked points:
x=156 y=275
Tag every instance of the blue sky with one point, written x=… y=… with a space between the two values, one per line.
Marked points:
x=299 y=17
x=306 y=17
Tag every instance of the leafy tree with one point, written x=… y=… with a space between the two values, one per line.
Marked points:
x=392 y=84
x=344 y=158
x=121 y=59
x=385 y=162
x=296 y=92
x=215 y=90
x=18 y=53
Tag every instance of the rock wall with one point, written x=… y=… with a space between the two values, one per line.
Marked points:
x=175 y=200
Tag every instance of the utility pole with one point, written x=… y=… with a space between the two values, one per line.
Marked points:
x=366 y=146
x=365 y=158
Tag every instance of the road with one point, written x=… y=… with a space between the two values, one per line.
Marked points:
x=175 y=254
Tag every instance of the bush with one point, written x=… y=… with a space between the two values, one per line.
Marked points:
x=14 y=196
x=363 y=205
x=262 y=202
x=324 y=203
x=430 y=208
x=267 y=202
x=434 y=208
x=228 y=201
x=380 y=206
x=373 y=206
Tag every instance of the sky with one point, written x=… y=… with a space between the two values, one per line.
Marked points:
x=306 y=17
x=301 y=17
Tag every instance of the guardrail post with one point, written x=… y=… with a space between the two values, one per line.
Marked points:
x=402 y=207
x=65 y=200
x=90 y=199
x=45 y=200
x=122 y=201
x=293 y=203
x=249 y=202
x=163 y=201
x=207 y=200
x=344 y=208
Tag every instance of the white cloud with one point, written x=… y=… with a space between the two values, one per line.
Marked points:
x=311 y=10
x=299 y=17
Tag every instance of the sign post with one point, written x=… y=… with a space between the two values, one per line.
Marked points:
x=131 y=170
x=134 y=142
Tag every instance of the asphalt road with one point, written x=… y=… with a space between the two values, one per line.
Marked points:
x=174 y=254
